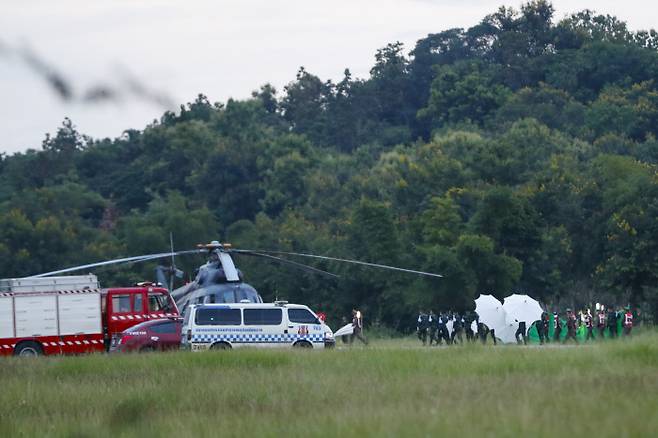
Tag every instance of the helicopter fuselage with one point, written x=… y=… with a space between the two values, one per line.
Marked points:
x=212 y=286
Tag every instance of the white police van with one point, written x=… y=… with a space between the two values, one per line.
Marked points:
x=224 y=326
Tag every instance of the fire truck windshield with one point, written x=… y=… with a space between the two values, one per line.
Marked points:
x=159 y=302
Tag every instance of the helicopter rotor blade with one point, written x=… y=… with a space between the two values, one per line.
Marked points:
x=301 y=266
x=357 y=262
x=135 y=259
x=228 y=266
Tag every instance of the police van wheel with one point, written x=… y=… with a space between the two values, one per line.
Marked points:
x=27 y=349
x=220 y=346
x=302 y=344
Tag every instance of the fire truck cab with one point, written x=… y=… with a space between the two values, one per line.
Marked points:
x=72 y=314
x=125 y=307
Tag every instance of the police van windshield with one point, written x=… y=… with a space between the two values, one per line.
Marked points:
x=302 y=316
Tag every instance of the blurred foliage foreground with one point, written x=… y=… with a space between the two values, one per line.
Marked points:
x=391 y=388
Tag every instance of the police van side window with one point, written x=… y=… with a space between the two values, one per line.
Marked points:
x=262 y=316
x=218 y=317
x=302 y=316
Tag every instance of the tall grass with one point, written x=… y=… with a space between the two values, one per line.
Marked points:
x=391 y=388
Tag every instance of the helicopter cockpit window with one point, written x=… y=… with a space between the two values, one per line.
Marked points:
x=228 y=296
x=241 y=295
x=218 y=317
x=302 y=316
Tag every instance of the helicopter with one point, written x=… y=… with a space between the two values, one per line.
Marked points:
x=218 y=280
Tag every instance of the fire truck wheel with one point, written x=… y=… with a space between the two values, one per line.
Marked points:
x=220 y=346
x=302 y=344
x=28 y=348
x=147 y=350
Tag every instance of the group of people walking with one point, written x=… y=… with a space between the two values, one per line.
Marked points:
x=598 y=323
x=450 y=327
x=446 y=327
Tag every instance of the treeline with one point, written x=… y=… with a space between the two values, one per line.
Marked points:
x=517 y=155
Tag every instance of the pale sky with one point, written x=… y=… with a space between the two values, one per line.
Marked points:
x=221 y=48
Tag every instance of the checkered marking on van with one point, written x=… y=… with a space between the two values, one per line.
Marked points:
x=256 y=338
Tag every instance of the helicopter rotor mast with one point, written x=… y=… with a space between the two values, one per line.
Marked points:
x=219 y=251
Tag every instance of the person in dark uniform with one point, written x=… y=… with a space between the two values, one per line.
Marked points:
x=457 y=328
x=357 y=323
x=600 y=322
x=443 y=329
x=546 y=323
x=557 y=327
x=422 y=325
x=612 y=322
x=468 y=320
x=523 y=332
x=483 y=331
x=433 y=328
x=572 y=326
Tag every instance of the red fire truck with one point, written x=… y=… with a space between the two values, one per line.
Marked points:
x=72 y=314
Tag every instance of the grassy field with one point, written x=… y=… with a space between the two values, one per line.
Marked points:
x=392 y=388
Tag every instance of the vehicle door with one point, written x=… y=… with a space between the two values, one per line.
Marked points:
x=166 y=335
x=125 y=309
x=264 y=327
x=304 y=325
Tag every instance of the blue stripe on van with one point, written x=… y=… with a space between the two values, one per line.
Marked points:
x=251 y=338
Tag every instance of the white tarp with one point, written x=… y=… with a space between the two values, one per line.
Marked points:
x=344 y=330
x=492 y=314
x=520 y=308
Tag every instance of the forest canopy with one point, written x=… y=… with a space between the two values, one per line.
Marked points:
x=516 y=155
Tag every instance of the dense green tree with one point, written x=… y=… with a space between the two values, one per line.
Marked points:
x=465 y=91
x=550 y=106
x=628 y=112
